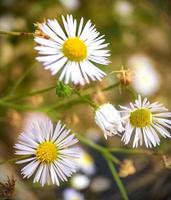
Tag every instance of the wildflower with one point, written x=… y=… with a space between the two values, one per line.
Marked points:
x=108 y=119
x=70 y=4
x=80 y=181
x=71 y=194
x=144 y=121
x=72 y=51
x=123 y=8
x=146 y=80
x=86 y=163
x=48 y=152
x=127 y=168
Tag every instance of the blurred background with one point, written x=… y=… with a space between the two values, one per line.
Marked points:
x=139 y=33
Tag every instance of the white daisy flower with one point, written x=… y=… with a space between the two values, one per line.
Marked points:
x=80 y=181
x=143 y=121
x=108 y=119
x=86 y=163
x=123 y=8
x=48 y=152
x=146 y=79
x=70 y=5
x=73 y=51
x=71 y=194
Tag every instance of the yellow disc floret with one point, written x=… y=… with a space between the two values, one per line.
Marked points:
x=47 y=152
x=140 y=118
x=74 y=49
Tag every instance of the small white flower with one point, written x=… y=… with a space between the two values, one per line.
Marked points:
x=48 y=152
x=70 y=4
x=71 y=194
x=143 y=121
x=86 y=163
x=146 y=80
x=123 y=8
x=80 y=181
x=72 y=51
x=108 y=119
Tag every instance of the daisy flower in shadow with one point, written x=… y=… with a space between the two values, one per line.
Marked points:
x=144 y=121
x=50 y=154
x=72 y=51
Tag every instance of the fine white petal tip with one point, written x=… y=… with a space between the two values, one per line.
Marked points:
x=105 y=136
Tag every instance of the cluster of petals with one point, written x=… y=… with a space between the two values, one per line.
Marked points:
x=150 y=121
x=74 y=52
x=62 y=166
x=86 y=49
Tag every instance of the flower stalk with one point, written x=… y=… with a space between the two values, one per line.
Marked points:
x=116 y=177
x=12 y=33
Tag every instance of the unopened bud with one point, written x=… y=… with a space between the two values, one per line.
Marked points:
x=63 y=90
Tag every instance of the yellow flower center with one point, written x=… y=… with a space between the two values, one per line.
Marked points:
x=46 y=152
x=74 y=49
x=140 y=118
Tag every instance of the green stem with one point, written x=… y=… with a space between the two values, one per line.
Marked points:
x=16 y=106
x=20 y=80
x=64 y=104
x=71 y=101
x=14 y=97
x=85 y=99
x=116 y=177
x=111 y=86
x=97 y=147
x=90 y=143
x=131 y=151
x=132 y=91
x=15 y=33
x=14 y=159
x=113 y=158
